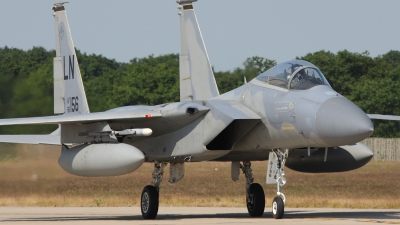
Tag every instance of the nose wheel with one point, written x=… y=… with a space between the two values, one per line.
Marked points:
x=278 y=207
x=276 y=175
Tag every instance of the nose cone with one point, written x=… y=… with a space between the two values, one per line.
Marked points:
x=340 y=122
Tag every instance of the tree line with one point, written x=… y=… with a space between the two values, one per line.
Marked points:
x=26 y=82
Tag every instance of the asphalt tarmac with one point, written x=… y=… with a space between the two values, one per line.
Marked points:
x=192 y=215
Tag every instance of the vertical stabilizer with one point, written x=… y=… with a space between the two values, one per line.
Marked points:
x=196 y=77
x=69 y=93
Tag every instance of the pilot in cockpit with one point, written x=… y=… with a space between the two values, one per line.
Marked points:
x=295 y=75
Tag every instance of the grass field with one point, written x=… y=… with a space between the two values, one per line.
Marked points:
x=30 y=176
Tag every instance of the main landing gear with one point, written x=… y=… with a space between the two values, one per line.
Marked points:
x=255 y=197
x=150 y=193
x=277 y=160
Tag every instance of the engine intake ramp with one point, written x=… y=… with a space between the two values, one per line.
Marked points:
x=238 y=120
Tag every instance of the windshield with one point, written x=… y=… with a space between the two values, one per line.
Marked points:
x=295 y=74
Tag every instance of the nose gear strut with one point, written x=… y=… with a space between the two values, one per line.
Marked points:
x=276 y=174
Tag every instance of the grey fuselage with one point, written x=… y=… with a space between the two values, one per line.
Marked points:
x=247 y=122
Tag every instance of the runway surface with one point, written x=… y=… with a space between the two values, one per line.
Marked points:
x=191 y=215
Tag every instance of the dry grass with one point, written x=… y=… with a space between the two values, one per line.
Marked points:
x=33 y=178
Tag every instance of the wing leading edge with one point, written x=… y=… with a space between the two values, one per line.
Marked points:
x=112 y=115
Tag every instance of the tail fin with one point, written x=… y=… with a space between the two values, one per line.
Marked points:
x=69 y=93
x=197 y=80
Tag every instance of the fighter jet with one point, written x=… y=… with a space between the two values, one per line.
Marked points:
x=289 y=115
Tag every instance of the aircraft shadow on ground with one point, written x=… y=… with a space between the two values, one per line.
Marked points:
x=288 y=215
x=343 y=215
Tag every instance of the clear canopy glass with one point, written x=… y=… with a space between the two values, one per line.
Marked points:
x=295 y=74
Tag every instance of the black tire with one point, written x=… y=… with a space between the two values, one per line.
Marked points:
x=256 y=203
x=278 y=208
x=149 y=202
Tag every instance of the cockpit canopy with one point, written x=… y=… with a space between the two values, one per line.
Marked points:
x=295 y=75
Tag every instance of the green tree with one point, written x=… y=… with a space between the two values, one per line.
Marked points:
x=26 y=82
x=253 y=67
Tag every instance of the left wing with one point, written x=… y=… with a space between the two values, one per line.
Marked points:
x=77 y=128
x=383 y=117
x=74 y=121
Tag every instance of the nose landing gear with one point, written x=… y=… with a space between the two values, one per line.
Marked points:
x=276 y=174
x=278 y=207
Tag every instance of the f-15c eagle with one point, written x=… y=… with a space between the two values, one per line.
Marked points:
x=289 y=115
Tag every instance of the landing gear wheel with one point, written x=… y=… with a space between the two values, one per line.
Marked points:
x=149 y=202
x=278 y=207
x=255 y=200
